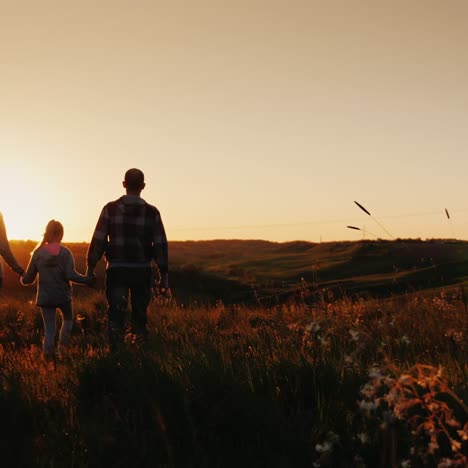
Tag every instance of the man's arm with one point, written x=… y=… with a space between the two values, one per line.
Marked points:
x=98 y=243
x=5 y=250
x=161 y=251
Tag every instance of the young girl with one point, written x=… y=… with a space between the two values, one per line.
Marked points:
x=56 y=268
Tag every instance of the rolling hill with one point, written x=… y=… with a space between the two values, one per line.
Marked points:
x=256 y=270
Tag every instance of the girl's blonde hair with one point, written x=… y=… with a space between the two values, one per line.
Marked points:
x=53 y=229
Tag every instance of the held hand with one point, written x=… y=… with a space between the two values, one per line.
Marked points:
x=160 y=292
x=90 y=280
x=20 y=279
x=165 y=292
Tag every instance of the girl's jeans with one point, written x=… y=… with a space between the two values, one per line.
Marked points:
x=49 y=315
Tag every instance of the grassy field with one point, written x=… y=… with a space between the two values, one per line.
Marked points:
x=248 y=272
x=318 y=378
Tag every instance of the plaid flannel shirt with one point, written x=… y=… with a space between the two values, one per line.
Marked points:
x=129 y=232
x=5 y=251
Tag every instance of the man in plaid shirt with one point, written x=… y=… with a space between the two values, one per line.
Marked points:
x=130 y=234
x=6 y=253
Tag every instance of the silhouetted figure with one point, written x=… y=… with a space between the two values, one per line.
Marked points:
x=131 y=235
x=55 y=265
x=6 y=253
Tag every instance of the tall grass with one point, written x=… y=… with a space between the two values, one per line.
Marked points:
x=338 y=382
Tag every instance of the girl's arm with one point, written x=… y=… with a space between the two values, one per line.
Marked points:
x=71 y=274
x=30 y=274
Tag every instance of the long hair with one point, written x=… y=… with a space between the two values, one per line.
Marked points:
x=53 y=229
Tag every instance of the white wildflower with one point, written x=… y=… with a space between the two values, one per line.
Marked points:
x=368 y=390
x=375 y=372
x=325 y=447
x=367 y=405
x=404 y=339
x=363 y=437
x=330 y=441
x=313 y=327
x=348 y=359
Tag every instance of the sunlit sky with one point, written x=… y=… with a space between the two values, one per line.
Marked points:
x=251 y=119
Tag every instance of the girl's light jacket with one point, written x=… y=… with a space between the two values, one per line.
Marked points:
x=56 y=272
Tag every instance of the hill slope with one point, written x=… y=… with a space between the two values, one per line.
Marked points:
x=245 y=270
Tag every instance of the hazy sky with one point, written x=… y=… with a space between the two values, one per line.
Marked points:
x=250 y=119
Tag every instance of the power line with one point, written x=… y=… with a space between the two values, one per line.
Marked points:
x=248 y=226
x=316 y=222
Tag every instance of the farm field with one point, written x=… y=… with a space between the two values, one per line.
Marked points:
x=340 y=367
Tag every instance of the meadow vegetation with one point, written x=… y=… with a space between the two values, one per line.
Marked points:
x=319 y=379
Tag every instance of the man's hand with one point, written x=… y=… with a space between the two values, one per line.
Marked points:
x=165 y=292
x=90 y=280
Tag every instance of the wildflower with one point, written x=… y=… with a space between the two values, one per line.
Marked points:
x=405 y=464
x=367 y=405
x=375 y=372
x=404 y=339
x=330 y=441
x=368 y=390
x=456 y=445
x=313 y=327
x=363 y=437
x=354 y=335
x=325 y=447
x=464 y=433
x=451 y=421
x=455 y=335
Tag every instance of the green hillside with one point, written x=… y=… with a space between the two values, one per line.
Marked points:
x=376 y=267
x=252 y=270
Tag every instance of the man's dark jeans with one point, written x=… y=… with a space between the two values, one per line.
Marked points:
x=120 y=283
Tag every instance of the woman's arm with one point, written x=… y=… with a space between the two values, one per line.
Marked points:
x=5 y=250
x=30 y=274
